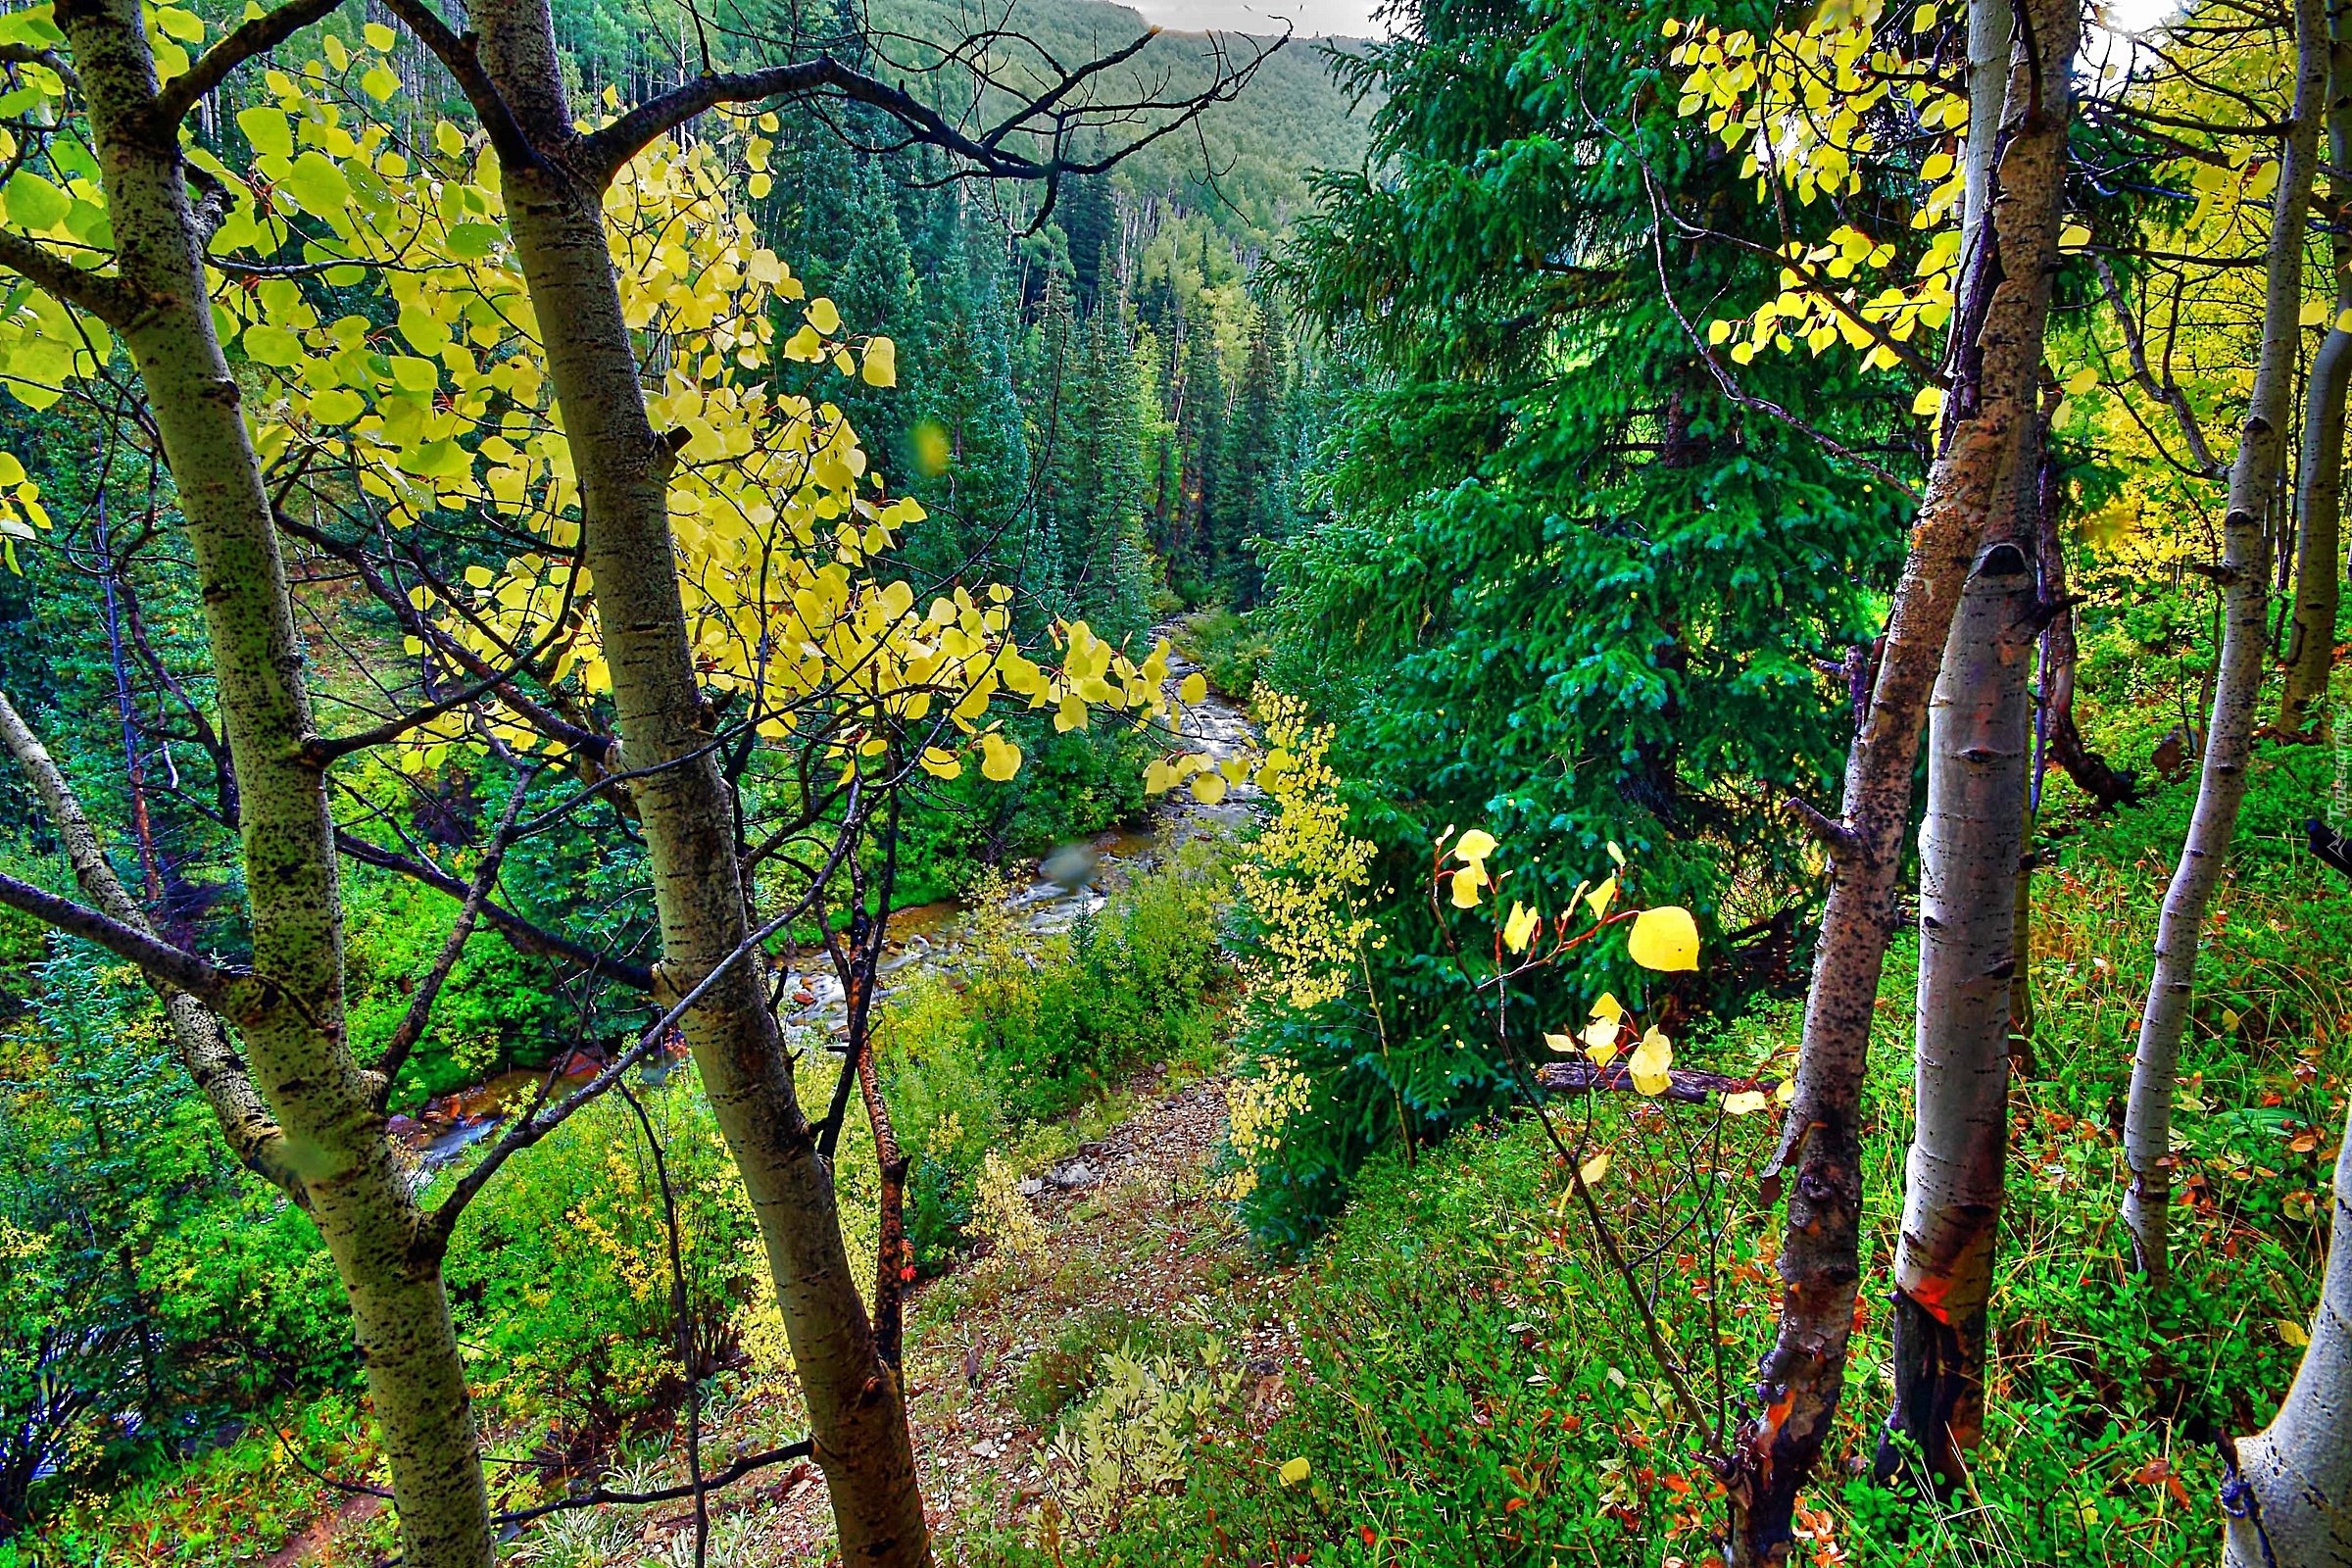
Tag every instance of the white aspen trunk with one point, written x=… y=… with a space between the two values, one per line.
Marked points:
x=297 y=1046
x=2005 y=296
x=2289 y=1502
x=2319 y=542
x=2237 y=680
x=856 y=1398
x=1969 y=846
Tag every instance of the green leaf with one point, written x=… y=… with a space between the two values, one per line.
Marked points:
x=268 y=131
x=36 y=204
x=472 y=242
x=319 y=185
x=273 y=345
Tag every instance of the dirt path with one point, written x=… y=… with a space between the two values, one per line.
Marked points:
x=1137 y=1243
x=1139 y=1247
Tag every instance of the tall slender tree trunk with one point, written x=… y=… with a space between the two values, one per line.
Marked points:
x=2319 y=542
x=294 y=1032
x=1969 y=849
x=1990 y=409
x=855 y=1402
x=2289 y=1502
x=2244 y=578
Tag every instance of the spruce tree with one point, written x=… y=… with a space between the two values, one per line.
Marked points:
x=1575 y=593
x=1249 y=505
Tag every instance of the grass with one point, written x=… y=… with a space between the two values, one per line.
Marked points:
x=1473 y=1388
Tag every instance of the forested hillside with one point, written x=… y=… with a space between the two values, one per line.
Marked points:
x=929 y=785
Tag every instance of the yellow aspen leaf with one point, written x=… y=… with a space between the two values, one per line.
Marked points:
x=2315 y=313
x=1616 y=854
x=1745 y=1103
x=1600 y=1040
x=1608 y=1006
x=1563 y=1043
x=1208 y=788
x=2292 y=1334
x=379 y=37
x=2080 y=381
x=379 y=82
x=1193 y=689
x=1650 y=1065
x=1466 y=883
x=939 y=764
x=1000 y=758
x=1665 y=939
x=823 y=316
x=759 y=184
x=2074 y=238
x=1519 y=927
x=1294 y=1471
x=1592 y=1170
x=881 y=367
x=1786 y=1093
x=1929 y=402
x=1601 y=897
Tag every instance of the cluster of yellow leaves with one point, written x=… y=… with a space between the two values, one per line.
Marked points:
x=1664 y=939
x=1257 y=1111
x=780 y=524
x=1305 y=879
x=1002 y=1216
x=21 y=508
x=1800 y=98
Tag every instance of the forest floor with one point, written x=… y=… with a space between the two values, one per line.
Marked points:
x=1137 y=1246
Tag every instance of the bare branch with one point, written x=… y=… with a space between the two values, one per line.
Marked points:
x=603 y=153
x=1688 y=1085
x=25 y=54
x=514 y=927
x=2167 y=391
x=162 y=963
x=428 y=990
x=732 y=1473
x=205 y=1051
x=102 y=294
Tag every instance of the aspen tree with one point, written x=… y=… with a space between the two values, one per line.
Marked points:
x=2244 y=579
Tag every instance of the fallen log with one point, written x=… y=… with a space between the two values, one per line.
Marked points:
x=1688 y=1085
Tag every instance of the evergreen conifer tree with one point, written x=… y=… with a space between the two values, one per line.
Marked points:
x=1575 y=593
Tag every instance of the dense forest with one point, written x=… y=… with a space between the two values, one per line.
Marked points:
x=799 y=783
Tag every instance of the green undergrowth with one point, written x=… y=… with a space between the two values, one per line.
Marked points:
x=1474 y=1388
x=558 y=1274
x=1232 y=649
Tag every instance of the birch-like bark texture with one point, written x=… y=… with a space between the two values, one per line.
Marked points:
x=855 y=1402
x=2244 y=579
x=294 y=1034
x=2319 y=502
x=2289 y=1502
x=203 y=1048
x=2006 y=293
x=1968 y=850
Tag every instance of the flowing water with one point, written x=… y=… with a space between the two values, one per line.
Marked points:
x=1073 y=881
